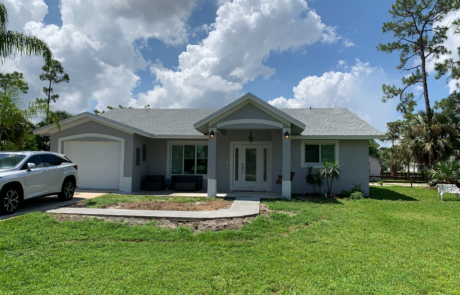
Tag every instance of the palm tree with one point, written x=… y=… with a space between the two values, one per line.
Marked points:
x=392 y=157
x=15 y=43
x=430 y=140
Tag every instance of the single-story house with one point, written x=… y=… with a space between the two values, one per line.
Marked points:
x=414 y=167
x=248 y=145
x=374 y=166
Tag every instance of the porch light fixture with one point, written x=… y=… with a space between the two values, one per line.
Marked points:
x=250 y=136
x=286 y=135
x=211 y=135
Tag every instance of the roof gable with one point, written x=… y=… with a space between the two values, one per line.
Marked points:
x=243 y=101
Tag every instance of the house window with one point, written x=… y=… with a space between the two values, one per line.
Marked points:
x=319 y=153
x=189 y=159
x=316 y=152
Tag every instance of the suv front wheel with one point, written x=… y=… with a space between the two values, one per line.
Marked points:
x=9 y=200
x=68 y=190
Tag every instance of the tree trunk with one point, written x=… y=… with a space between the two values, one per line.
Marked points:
x=425 y=85
x=408 y=167
x=49 y=101
x=394 y=169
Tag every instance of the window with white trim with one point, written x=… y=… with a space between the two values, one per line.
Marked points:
x=189 y=159
x=316 y=152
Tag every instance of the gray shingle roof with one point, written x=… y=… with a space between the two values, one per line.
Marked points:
x=319 y=122
x=160 y=121
x=332 y=122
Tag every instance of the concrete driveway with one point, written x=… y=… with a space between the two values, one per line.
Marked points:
x=52 y=202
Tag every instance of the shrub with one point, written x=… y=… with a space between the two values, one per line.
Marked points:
x=314 y=178
x=446 y=171
x=357 y=196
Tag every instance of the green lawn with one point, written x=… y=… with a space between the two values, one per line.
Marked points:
x=406 y=242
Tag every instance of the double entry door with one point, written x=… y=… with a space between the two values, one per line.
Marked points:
x=251 y=169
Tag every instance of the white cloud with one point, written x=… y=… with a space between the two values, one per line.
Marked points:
x=244 y=34
x=452 y=43
x=359 y=90
x=347 y=42
x=95 y=45
x=22 y=11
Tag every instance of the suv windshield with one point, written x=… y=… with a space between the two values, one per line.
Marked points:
x=8 y=161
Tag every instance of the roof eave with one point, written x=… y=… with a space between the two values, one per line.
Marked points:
x=45 y=130
x=339 y=137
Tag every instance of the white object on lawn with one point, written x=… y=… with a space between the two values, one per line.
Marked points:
x=448 y=188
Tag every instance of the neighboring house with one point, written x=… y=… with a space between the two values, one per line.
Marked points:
x=374 y=166
x=414 y=167
x=116 y=149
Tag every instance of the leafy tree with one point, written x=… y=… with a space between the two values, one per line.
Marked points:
x=43 y=142
x=146 y=107
x=374 y=148
x=16 y=79
x=392 y=159
x=418 y=38
x=13 y=43
x=53 y=72
x=11 y=114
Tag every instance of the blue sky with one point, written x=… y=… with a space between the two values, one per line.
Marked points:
x=206 y=53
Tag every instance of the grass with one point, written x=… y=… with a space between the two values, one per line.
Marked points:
x=405 y=242
x=108 y=199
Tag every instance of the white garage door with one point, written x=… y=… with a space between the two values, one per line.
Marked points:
x=98 y=163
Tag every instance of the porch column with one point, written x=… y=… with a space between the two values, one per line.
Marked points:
x=212 y=159
x=286 y=186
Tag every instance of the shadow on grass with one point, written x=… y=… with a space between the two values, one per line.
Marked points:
x=319 y=200
x=385 y=194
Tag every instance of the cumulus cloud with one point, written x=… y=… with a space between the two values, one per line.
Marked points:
x=358 y=89
x=95 y=45
x=243 y=35
x=452 y=43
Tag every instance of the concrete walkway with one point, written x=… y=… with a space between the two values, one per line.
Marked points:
x=242 y=207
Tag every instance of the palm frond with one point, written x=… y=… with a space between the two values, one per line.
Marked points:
x=17 y=44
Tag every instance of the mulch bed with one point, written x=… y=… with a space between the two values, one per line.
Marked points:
x=164 y=205
x=173 y=206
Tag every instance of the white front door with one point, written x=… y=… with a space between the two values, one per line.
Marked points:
x=251 y=167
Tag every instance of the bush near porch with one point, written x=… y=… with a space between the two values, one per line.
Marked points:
x=405 y=241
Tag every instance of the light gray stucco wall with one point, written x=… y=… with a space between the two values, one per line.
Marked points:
x=139 y=171
x=354 y=161
x=93 y=127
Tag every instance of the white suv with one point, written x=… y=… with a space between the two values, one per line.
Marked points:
x=26 y=175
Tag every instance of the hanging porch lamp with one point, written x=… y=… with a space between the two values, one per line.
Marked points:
x=250 y=136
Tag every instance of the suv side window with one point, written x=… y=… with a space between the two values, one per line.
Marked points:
x=51 y=160
x=37 y=160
